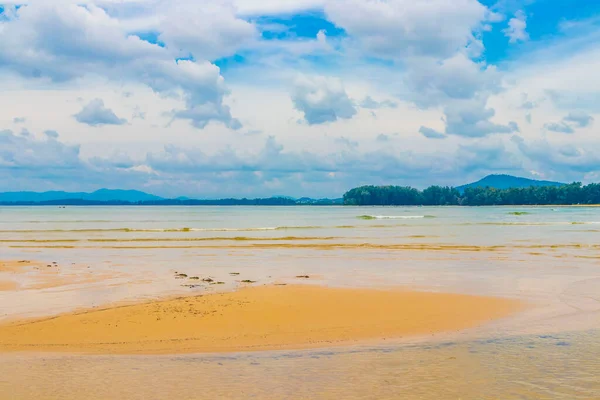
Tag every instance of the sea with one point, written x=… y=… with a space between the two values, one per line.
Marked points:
x=549 y=257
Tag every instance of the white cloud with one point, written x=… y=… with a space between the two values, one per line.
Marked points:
x=27 y=152
x=579 y=118
x=563 y=161
x=207 y=32
x=62 y=42
x=431 y=133
x=433 y=82
x=420 y=65
x=471 y=118
x=559 y=127
x=52 y=134
x=369 y=103
x=488 y=156
x=517 y=28
x=322 y=99
x=569 y=123
x=435 y=42
x=96 y=114
x=274 y=7
x=400 y=28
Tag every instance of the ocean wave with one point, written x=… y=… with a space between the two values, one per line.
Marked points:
x=215 y=238
x=179 y=239
x=184 y=229
x=332 y=246
x=556 y=223
x=369 y=217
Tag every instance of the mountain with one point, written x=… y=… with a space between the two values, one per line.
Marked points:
x=507 y=182
x=101 y=195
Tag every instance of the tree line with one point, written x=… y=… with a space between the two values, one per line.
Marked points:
x=570 y=194
x=271 y=201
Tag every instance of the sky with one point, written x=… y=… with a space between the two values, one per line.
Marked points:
x=257 y=98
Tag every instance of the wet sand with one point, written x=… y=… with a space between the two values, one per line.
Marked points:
x=35 y=275
x=255 y=318
x=563 y=367
x=8 y=285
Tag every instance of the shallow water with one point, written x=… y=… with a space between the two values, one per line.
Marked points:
x=548 y=257
x=529 y=367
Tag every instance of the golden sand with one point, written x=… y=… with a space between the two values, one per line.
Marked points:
x=257 y=318
x=18 y=266
x=8 y=286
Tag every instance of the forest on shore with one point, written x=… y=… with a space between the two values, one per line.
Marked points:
x=569 y=194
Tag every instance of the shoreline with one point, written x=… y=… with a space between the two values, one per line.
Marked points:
x=260 y=318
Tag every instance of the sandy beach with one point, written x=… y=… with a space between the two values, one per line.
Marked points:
x=256 y=318
x=312 y=304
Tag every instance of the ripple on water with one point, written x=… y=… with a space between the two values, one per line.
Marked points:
x=530 y=367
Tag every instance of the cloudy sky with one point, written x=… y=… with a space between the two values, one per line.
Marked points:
x=252 y=98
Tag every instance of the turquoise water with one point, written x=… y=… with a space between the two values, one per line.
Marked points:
x=497 y=225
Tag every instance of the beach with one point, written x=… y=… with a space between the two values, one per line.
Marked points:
x=302 y=302
x=250 y=319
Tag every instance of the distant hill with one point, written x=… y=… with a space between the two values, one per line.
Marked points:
x=135 y=197
x=102 y=195
x=507 y=182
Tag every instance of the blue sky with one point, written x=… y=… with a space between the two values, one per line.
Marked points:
x=295 y=97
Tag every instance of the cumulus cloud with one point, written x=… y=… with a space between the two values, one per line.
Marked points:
x=563 y=161
x=345 y=142
x=570 y=122
x=369 y=103
x=322 y=100
x=487 y=156
x=206 y=32
x=431 y=133
x=571 y=99
x=43 y=162
x=517 y=28
x=399 y=28
x=46 y=163
x=437 y=43
x=433 y=82
x=65 y=41
x=559 y=127
x=119 y=160
x=580 y=119
x=528 y=104
x=96 y=114
x=26 y=152
x=432 y=51
x=471 y=118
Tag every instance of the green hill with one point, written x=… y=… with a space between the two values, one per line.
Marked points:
x=507 y=182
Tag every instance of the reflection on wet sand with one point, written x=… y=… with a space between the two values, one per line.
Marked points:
x=36 y=275
x=563 y=367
